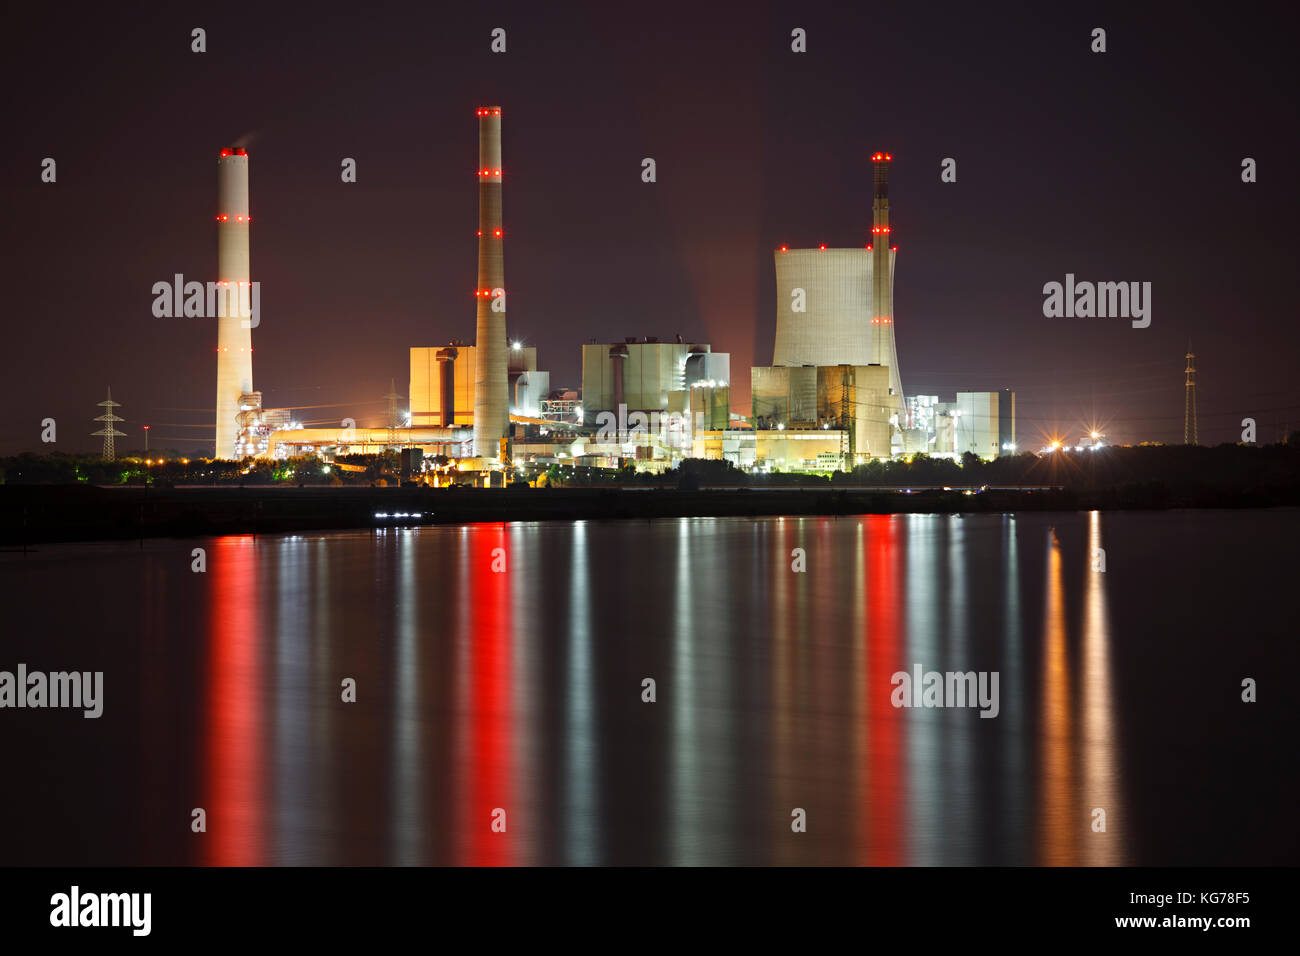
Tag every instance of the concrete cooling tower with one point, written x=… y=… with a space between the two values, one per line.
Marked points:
x=836 y=306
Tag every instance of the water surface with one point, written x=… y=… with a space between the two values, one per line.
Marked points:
x=521 y=691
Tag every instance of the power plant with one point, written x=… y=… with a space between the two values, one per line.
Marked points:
x=835 y=362
x=832 y=398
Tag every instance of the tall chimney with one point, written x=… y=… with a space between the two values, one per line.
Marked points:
x=491 y=388
x=883 y=349
x=234 y=333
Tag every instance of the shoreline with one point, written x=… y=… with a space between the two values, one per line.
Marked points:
x=37 y=514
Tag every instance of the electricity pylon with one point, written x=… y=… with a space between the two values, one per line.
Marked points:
x=1190 y=436
x=109 y=431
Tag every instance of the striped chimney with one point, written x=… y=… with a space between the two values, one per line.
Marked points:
x=884 y=349
x=491 y=387
x=234 y=336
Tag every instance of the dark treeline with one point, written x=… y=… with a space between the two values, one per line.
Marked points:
x=59 y=499
x=62 y=469
x=1178 y=468
x=1161 y=475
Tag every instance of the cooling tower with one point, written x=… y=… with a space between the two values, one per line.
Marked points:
x=823 y=307
x=234 y=332
x=491 y=385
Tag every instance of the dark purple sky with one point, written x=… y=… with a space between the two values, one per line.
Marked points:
x=1121 y=166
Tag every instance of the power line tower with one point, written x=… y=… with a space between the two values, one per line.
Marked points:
x=109 y=431
x=1189 y=407
x=394 y=415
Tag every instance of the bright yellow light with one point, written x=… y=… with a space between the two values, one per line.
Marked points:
x=1096 y=435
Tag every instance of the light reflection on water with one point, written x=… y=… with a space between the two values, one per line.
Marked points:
x=893 y=786
x=514 y=697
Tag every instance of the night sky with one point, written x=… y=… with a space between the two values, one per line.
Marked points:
x=1123 y=166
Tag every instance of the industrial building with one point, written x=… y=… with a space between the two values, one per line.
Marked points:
x=979 y=423
x=443 y=383
x=977 y=429
x=707 y=404
x=810 y=449
x=451 y=442
x=855 y=399
x=648 y=375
